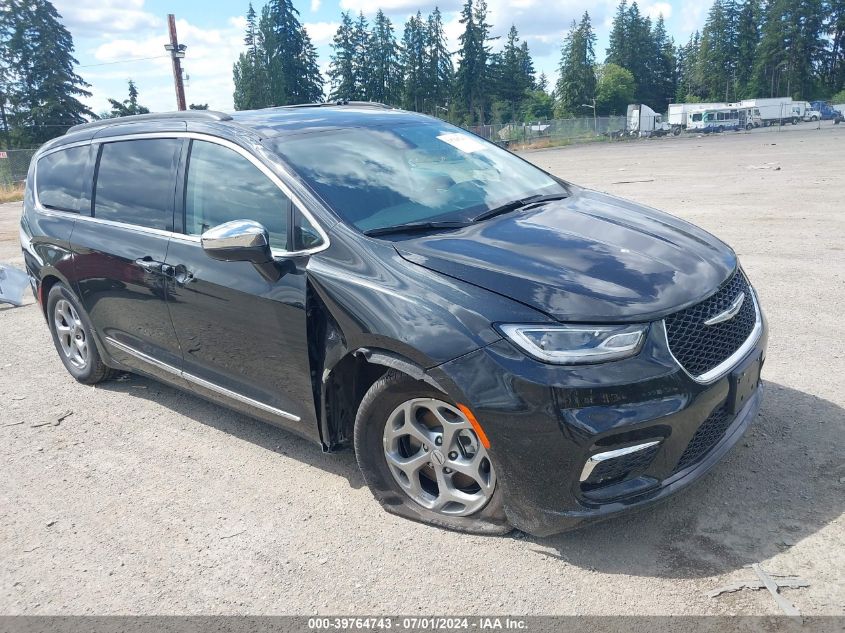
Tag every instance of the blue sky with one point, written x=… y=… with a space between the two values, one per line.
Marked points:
x=107 y=33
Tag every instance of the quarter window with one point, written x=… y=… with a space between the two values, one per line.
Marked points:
x=136 y=182
x=223 y=186
x=61 y=179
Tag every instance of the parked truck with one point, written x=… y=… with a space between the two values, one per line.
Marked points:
x=776 y=111
x=828 y=112
x=643 y=121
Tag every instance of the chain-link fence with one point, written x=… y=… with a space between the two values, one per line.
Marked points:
x=553 y=132
x=14 y=163
x=558 y=132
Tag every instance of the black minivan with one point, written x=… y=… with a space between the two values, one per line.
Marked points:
x=501 y=348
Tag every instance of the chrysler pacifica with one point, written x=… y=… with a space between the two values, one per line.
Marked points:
x=499 y=347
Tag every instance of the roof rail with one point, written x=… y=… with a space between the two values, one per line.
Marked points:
x=193 y=115
x=343 y=102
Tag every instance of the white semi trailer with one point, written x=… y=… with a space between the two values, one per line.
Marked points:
x=777 y=111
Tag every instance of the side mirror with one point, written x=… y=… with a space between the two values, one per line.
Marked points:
x=238 y=241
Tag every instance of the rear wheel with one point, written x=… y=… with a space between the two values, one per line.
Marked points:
x=423 y=460
x=73 y=338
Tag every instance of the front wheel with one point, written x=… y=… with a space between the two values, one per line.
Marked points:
x=423 y=460
x=73 y=338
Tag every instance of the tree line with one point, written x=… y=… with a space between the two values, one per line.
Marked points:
x=746 y=48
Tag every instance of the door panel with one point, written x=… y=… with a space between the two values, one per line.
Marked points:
x=119 y=253
x=238 y=331
x=241 y=333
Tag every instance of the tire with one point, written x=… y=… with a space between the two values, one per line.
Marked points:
x=676 y=131
x=392 y=398
x=720 y=129
x=814 y=118
x=794 y=121
x=749 y=127
x=73 y=337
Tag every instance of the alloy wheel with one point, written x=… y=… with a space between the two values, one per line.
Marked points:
x=436 y=458
x=71 y=333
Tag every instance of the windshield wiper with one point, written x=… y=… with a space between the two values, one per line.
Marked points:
x=518 y=204
x=414 y=227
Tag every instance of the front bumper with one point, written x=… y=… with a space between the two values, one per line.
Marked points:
x=545 y=422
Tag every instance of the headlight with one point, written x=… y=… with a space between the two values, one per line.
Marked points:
x=577 y=344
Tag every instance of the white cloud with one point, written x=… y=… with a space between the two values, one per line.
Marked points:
x=96 y=17
x=321 y=33
x=207 y=64
x=691 y=17
x=656 y=9
x=315 y=6
x=398 y=7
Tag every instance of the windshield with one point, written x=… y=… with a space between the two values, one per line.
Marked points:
x=376 y=177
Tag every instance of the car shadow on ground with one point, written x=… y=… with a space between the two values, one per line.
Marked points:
x=243 y=427
x=779 y=484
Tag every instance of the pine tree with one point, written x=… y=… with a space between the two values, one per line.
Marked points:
x=414 y=63
x=618 y=50
x=689 y=83
x=439 y=72
x=40 y=88
x=361 y=60
x=718 y=52
x=747 y=39
x=664 y=67
x=516 y=73
x=792 y=50
x=292 y=70
x=342 y=68
x=384 y=72
x=472 y=79
x=576 y=86
x=128 y=107
x=310 y=88
x=250 y=72
x=642 y=50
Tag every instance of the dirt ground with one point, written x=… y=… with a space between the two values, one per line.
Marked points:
x=147 y=500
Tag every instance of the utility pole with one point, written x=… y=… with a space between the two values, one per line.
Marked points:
x=177 y=52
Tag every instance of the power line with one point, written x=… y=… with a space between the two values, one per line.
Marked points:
x=124 y=61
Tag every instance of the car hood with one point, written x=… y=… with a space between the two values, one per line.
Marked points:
x=589 y=257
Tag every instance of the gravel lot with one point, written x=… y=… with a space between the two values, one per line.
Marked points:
x=148 y=500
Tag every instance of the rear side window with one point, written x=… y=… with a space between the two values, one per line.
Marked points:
x=61 y=178
x=223 y=186
x=136 y=181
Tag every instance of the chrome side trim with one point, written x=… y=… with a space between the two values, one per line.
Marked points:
x=233 y=395
x=260 y=165
x=144 y=357
x=598 y=458
x=730 y=362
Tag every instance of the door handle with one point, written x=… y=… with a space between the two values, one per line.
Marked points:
x=149 y=264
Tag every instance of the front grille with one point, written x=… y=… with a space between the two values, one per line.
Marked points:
x=706 y=437
x=698 y=347
x=612 y=471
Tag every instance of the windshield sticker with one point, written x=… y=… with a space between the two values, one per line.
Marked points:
x=463 y=142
